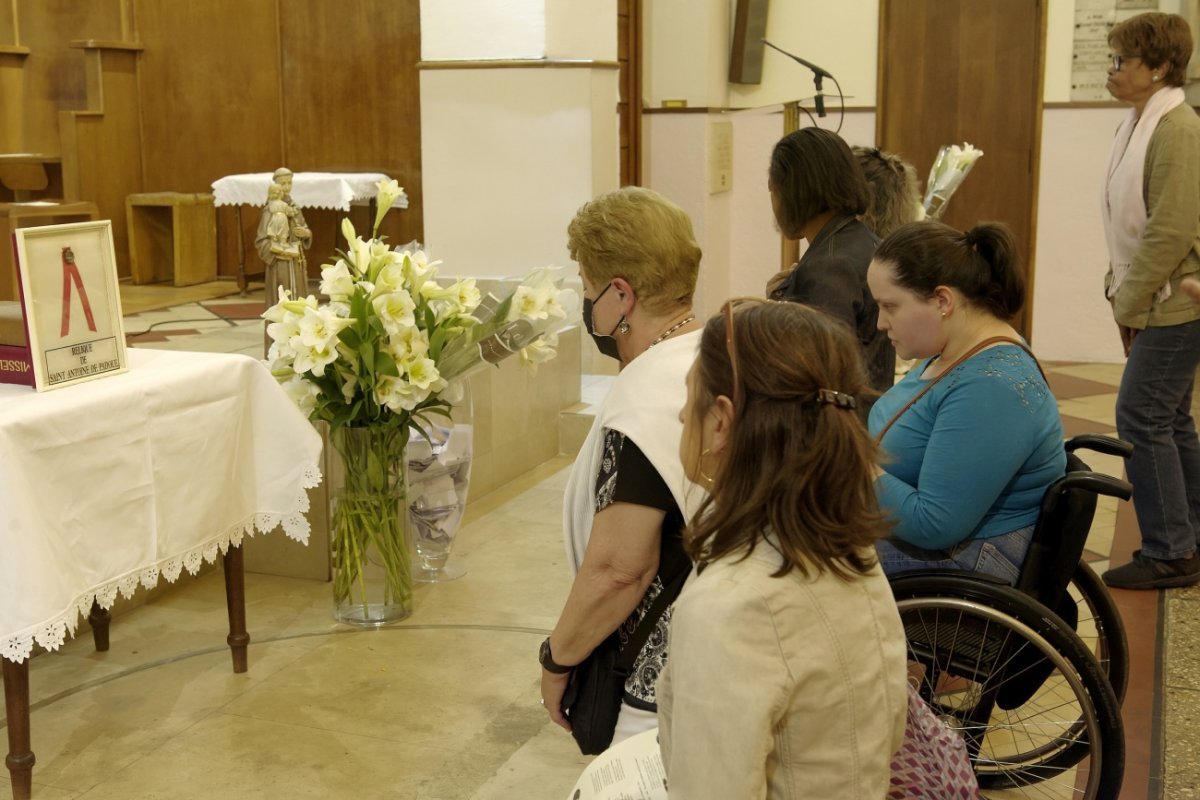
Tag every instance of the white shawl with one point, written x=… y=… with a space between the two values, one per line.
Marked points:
x=1124 y=202
x=644 y=404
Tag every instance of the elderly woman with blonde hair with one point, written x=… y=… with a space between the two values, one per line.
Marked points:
x=627 y=498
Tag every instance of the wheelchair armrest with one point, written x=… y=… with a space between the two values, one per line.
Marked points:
x=1099 y=483
x=1099 y=443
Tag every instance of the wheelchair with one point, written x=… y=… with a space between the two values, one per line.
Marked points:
x=1032 y=675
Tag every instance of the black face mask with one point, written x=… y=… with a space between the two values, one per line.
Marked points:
x=605 y=342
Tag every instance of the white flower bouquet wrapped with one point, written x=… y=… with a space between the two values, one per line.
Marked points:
x=949 y=170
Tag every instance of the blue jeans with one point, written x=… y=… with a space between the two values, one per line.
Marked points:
x=1000 y=556
x=1154 y=414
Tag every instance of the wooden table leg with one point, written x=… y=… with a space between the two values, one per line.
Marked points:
x=99 y=618
x=235 y=601
x=16 y=704
x=242 y=281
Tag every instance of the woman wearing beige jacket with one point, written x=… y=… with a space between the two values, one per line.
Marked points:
x=787 y=669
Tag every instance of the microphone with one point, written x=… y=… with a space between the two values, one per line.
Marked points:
x=818 y=74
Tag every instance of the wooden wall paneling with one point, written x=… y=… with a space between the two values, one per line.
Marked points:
x=102 y=151
x=352 y=102
x=215 y=110
x=9 y=33
x=54 y=72
x=12 y=97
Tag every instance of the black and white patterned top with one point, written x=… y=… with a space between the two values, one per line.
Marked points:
x=627 y=476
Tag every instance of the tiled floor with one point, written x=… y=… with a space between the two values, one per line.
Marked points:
x=445 y=705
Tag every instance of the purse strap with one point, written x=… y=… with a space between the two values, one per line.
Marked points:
x=637 y=640
x=985 y=343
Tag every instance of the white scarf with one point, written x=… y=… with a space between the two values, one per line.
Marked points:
x=1124 y=202
x=644 y=404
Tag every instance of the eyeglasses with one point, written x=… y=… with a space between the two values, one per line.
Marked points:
x=1119 y=60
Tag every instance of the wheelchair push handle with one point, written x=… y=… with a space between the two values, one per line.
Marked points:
x=1108 y=445
x=1099 y=483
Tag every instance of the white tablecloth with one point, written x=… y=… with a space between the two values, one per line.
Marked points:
x=309 y=189
x=113 y=483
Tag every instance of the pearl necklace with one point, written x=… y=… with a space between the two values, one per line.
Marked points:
x=672 y=329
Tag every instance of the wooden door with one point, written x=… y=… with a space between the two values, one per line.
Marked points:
x=629 y=106
x=969 y=70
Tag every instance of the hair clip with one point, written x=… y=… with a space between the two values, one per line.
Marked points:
x=839 y=399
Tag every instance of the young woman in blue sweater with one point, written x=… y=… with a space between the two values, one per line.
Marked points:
x=971 y=436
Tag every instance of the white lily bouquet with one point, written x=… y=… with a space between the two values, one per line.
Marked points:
x=949 y=170
x=388 y=350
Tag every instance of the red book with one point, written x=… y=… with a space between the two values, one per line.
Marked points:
x=16 y=358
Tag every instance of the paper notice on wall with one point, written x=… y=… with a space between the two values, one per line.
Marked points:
x=631 y=770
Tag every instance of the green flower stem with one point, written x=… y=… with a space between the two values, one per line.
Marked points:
x=370 y=516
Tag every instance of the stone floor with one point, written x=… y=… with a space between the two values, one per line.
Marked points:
x=444 y=705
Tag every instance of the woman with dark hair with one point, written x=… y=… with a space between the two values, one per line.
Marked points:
x=1151 y=209
x=787 y=669
x=817 y=192
x=971 y=436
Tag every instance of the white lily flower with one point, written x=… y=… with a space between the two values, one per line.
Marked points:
x=407 y=345
x=399 y=394
x=541 y=351
x=423 y=373
x=304 y=393
x=395 y=310
x=348 y=230
x=337 y=282
x=388 y=190
x=314 y=359
x=319 y=328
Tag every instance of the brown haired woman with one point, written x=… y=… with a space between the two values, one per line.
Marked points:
x=787 y=668
x=817 y=192
x=1151 y=208
x=972 y=434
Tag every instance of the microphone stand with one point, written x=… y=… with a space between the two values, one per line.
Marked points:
x=818 y=75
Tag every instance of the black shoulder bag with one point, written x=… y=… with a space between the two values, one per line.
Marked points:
x=592 y=701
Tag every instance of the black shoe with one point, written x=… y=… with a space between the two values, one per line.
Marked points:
x=1153 y=573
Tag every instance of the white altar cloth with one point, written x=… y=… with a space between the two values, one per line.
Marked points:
x=336 y=190
x=113 y=483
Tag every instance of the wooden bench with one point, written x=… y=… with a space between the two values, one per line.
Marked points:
x=172 y=237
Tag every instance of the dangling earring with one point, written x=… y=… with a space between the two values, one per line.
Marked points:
x=703 y=477
x=623 y=328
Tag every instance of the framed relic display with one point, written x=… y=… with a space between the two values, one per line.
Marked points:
x=71 y=305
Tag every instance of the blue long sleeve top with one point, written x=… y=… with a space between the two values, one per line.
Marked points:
x=973 y=457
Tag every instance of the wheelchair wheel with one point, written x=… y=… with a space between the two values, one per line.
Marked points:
x=1100 y=627
x=969 y=642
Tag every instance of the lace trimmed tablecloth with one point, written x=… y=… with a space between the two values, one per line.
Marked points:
x=337 y=190
x=117 y=482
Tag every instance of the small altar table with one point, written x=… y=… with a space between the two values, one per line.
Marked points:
x=334 y=190
x=121 y=481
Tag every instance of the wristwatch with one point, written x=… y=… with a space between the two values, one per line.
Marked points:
x=547 y=661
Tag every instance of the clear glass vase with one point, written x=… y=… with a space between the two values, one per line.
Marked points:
x=370 y=532
x=439 y=474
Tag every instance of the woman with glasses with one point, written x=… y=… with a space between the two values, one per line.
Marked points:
x=787 y=669
x=971 y=436
x=818 y=192
x=1151 y=209
x=627 y=497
